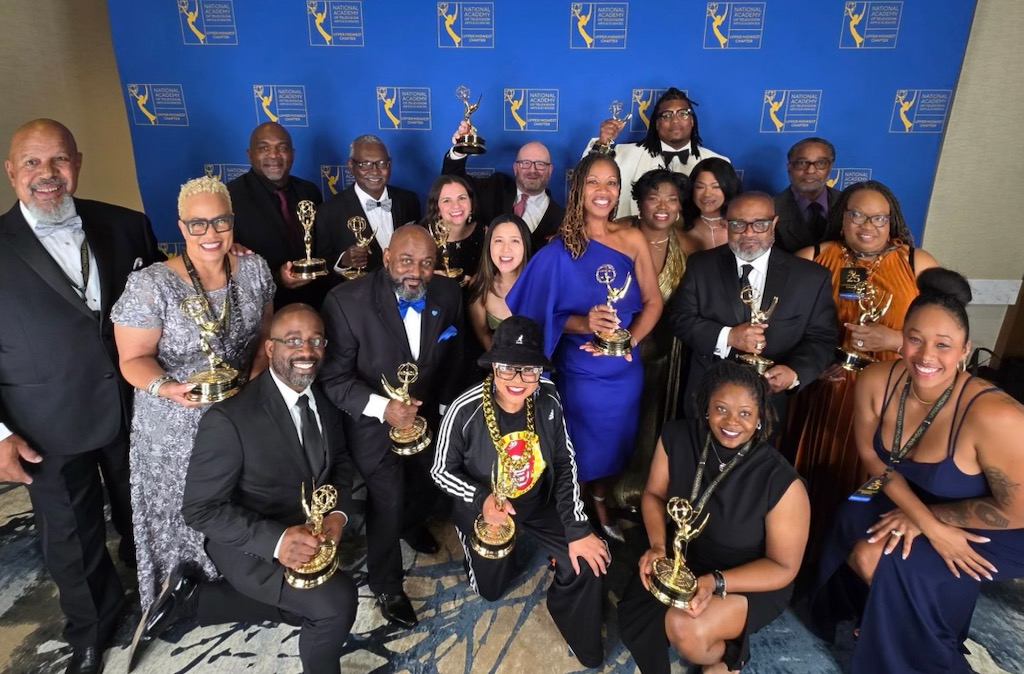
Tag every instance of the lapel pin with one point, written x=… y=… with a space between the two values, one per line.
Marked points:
x=433 y=312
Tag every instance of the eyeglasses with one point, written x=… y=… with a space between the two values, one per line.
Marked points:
x=297 y=342
x=199 y=226
x=682 y=113
x=879 y=221
x=740 y=226
x=804 y=164
x=529 y=374
x=529 y=163
x=380 y=164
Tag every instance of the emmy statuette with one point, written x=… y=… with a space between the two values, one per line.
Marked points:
x=220 y=381
x=606 y=149
x=415 y=438
x=752 y=298
x=324 y=563
x=309 y=267
x=441 y=230
x=470 y=142
x=357 y=225
x=617 y=342
x=671 y=581
x=873 y=304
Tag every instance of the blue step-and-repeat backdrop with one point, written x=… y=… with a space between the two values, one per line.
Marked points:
x=876 y=78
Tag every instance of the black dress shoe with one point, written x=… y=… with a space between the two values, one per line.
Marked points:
x=397 y=609
x=88 y=660
x=421 y=540
x=174 y=604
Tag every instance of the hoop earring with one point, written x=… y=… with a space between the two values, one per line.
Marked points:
x=758 y=425
x=962 y=365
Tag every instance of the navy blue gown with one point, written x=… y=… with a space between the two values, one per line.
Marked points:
x=916 y=614
x=601 y=394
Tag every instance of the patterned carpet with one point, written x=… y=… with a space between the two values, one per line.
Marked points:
x=458 y=632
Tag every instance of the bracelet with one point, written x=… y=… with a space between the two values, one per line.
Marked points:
x=719 y=584
x=153 y=388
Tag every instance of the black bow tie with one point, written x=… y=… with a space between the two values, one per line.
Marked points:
x=684 y=156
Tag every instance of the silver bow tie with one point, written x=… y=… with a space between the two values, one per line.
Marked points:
x=45 y=229
x=384 y=204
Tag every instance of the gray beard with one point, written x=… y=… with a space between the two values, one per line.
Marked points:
x=408 y=295
x=61 y=211
x=750 y=256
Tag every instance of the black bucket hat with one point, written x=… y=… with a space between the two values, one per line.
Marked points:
x=517 y=341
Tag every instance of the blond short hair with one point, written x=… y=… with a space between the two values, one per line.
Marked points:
x=204 y=185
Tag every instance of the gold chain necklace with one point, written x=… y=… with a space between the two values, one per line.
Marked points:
x=492 y=423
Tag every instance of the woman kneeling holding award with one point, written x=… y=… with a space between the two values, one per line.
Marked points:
x=740 y=515
x=504 y=457
x=187 y=332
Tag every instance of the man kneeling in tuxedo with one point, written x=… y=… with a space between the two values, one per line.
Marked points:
x=242 y=491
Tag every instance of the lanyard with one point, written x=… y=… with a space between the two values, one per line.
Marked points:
x=224 y=322
x=699 y=506
x=898 y=453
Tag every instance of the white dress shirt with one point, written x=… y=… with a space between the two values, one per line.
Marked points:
x=413 y=321
x=757 y=278
x=291 y=399
x=65 y=247
x=536 y=207
x=380 y=221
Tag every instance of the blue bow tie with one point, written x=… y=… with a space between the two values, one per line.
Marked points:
x=44 y=229
x=415 y=305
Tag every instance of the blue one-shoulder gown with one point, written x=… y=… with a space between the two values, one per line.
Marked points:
x=601 y=394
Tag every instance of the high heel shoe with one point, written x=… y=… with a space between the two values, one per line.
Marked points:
x=614 y=532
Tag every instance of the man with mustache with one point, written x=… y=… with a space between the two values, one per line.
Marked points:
x=708 y=316
x=265 y=201
x=803 y=206
x=401 y=313
x=251 y=453
x=63 y=406
x=524 y=193
x=385 y=207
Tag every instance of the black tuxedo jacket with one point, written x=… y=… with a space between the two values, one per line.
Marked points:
x=792 y=232
x=242 y=489
x=367 y=339
x=801 y=332
x=496 y=194
x=333 y=237
x=60 y=388
x=260 y=227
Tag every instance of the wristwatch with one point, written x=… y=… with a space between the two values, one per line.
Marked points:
x=719 y=584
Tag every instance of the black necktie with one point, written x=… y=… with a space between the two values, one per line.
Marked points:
x=816 y=221
x=312 y=440
x=744 y=284
x=684 y=156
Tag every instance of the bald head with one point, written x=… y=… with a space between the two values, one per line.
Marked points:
x=271 y=152
x=42 y=164
x=533 y=178
x=296 y=366
x=762 y=201
x=289 y=312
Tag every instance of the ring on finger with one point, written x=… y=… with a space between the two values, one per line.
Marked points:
x=860 y=343
x=896 y=533
x=760 y=345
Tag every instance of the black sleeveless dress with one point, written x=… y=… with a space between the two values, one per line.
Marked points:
x=734 y=535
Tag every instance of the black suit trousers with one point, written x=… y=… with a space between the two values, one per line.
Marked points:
x=67 y=497
x=400 y=496
x=325 y=614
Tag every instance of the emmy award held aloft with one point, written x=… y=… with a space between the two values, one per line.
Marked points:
x=324 y=563
x=416 y=437
x=310 y=267
x=606 y=149
x=470 y=142
x=619 y=341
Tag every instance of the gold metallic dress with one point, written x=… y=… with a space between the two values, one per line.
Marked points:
x=662 y=357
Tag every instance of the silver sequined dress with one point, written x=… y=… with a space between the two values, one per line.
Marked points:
x=163 y=431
